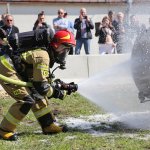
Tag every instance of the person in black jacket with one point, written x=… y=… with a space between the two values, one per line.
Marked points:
x=2 y=21
x=120 y=32
x=105 y=33
x=40 y=22
x=9 y=27
x=83 y=25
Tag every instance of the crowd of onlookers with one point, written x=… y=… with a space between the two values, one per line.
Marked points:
x=115 y=34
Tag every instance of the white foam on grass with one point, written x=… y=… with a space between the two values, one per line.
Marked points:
x=132 y=120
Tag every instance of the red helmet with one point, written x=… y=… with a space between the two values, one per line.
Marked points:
x=63 y=37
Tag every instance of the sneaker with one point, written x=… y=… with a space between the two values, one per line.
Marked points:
x=10 y=136
x=53 y=129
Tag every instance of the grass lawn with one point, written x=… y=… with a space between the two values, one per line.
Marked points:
x=31 y=137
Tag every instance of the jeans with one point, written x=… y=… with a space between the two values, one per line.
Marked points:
x=79 y=43
x=71 y=51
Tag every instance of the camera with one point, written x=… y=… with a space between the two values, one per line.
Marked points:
x=65 y=14
x=85 y=17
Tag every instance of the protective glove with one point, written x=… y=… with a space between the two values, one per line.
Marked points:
x=61 y=94
x=17 y=63
x=56 y=92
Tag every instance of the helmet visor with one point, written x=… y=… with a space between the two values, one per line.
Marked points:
x=63 y=47
x=60 y=53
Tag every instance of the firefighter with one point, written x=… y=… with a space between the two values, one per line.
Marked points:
x=140 y=64
x=34 y=67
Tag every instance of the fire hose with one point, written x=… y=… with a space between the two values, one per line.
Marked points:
x=69 y=87
x=16 y=82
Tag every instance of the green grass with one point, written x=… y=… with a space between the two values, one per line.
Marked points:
x=31 y=137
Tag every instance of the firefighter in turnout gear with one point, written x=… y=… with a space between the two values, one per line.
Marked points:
x=31 y=62
x=140 y=64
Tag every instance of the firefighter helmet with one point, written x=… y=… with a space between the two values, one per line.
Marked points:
x=63 y=37
x=61 y=43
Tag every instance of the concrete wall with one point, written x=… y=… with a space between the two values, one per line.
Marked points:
x=82 y=67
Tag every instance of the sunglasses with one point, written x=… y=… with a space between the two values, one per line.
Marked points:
x=60 y=13
x=9 y=20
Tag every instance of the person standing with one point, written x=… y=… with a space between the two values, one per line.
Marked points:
x=60 y=23
x=40 y=22
x=120 y=32
x=105 y=34
x=9 y=26
x=71 y=29
x=132 y=30
x=2 y=21
x=83 y=25
x=111 y=15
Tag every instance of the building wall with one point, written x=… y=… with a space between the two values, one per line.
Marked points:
x=25 y=14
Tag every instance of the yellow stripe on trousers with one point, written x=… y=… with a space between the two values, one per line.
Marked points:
x=42 y=112
x=12 y=119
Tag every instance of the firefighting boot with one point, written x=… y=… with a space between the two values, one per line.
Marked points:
x=46 y=119
x=13 y=118
x=48 y=125
x=7 y=135
x=53 y=129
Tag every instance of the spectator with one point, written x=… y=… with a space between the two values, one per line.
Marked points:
x=40 y=22
x=2 y=21
x=83 y=25
x=111 y=15
x=105 y=33
x=113 y=22
x=70 y=23
x=60 y=23
x=9 y=25
x=134 y=25
x=120 y=32
x=132 y=31
x=71 y=29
